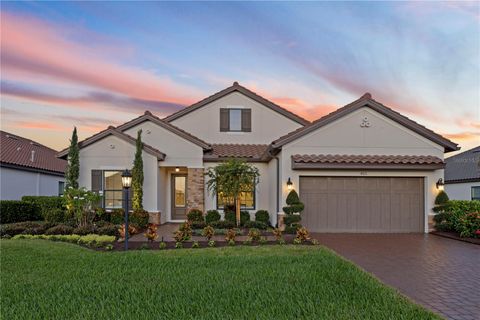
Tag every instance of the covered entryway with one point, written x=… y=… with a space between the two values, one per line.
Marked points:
x=363 y=204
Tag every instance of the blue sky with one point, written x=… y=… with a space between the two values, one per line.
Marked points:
x=92 y=64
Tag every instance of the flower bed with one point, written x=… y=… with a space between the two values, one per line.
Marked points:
x=460 y=217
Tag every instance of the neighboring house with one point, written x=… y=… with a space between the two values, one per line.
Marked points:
x=28 y=168
x=362 y=168
x=462 y=175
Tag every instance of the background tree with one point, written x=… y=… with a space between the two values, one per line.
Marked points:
x=137 y=175
x=229 y=179
x=73 y=163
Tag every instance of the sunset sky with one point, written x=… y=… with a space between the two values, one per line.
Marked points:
x=94 y=64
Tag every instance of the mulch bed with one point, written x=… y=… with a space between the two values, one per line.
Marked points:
x=455 y=236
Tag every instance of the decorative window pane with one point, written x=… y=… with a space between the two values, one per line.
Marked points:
x=112 y=193
x=235 y=120
x=247 y=200
x=180 y=198
x=475 y=193
x=61 y=187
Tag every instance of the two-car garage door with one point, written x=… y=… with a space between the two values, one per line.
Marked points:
x=361 y=204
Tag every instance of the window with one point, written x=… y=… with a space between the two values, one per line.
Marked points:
x=247 y=200
x=235 y=120
x=112 y=190
x=61 y=188
x=476 y=193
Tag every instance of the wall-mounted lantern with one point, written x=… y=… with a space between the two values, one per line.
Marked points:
x=289 y=184
x=177 y=169
x=440 y=184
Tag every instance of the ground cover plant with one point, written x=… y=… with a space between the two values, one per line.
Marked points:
x=52 y=280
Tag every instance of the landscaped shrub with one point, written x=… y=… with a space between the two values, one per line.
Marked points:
x=230 y=217
x=151 y=233
x=469 y=225
x=183 y=233
x=47 y=204
x=254 y=234
x=132 y=229
x=59 y=229
x=195 y=215
x=139 y=217
x=13 y=229
x=230 y=235
x=256 y=224
x=277 y=233
x=302 y=234
x=18 y=211
x=244 y=217
x=91 y=240
x=262 y=216
x=294 y=205
x=57 y=215
x=117 y=216
x=95 y=240
x=208 y=232
x=212 y=216
x=292 y=229
x=198 y=225
x=290 y=219
x=223 y=224
x=195 y=245
x=108 y=230
x=84 y=230
x=452 y=217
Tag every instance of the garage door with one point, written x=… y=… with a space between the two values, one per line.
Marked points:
x=360 y=204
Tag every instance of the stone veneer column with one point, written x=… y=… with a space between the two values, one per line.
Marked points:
x=195 y=188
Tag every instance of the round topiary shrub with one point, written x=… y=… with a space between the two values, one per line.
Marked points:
x=262 y=216
x=442 y=198
x=212 y=216
x=195 y=215
x=289 y=219
x=244 y=217
x=230 y=217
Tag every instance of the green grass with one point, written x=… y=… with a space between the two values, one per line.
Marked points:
x=51 y=280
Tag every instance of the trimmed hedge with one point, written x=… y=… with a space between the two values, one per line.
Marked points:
x=212 y=216
x=195 y=215
x=460 y=216
x=29 y=227
x=262 y=216
x=12 y=211
x=46 y=203
x=256 y=224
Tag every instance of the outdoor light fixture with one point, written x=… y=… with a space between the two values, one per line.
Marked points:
x=289 y=184
x=177 y=169
x=126 y=179
x=440 y=184
x=126 y=183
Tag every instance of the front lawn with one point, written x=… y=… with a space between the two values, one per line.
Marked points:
x=51 y=280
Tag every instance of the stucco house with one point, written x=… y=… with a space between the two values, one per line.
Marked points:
x=28 y=168
x=362 y=168
x=462 y=175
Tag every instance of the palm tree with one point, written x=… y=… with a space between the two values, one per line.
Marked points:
x=230 y=179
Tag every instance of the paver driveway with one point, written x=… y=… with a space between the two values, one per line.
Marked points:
x=441 y=274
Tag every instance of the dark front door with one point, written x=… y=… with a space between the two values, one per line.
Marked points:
x=179 y=197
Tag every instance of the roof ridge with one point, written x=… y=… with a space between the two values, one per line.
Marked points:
x=249 y=93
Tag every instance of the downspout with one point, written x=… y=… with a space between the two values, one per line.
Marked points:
x=278 y=179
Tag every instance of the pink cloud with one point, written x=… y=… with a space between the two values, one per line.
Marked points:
x=33 y=47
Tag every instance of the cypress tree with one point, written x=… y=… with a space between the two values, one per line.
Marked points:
x=137 y=175
x=73 y=165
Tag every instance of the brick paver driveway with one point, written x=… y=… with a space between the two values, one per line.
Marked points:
x=439 y=273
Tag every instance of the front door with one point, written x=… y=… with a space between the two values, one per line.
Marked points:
x=179 y=197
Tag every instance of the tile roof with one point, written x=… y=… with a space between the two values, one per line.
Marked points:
x=252 y=95
x=22 y=152
x=244 y=151
x=367 y=101
x=463 y=167
x=360 y=160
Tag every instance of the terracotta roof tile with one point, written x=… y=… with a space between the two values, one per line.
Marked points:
x=364 y=159
x=19 y=151
x=245 y=151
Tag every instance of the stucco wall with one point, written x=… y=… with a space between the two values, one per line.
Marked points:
x=112 y=153
x=460 y=191
x=179 y=152
x=347 y=136
x=18 y=183
x=267 y=125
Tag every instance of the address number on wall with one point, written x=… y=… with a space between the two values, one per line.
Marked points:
x=363 y=173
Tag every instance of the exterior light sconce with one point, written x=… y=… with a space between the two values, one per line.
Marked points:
x=177 y=169
x=440 y=184
x=289 y=184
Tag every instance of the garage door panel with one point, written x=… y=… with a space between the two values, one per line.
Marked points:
x=362 y=204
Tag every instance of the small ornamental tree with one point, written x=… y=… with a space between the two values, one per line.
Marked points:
x=230 y=179
x=73 y=163
x=441 y=202
x=294 y=205
x=137 y=175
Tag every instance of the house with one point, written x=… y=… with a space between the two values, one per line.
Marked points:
x=28 y=168
x=462 y=175
x=362 y=168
